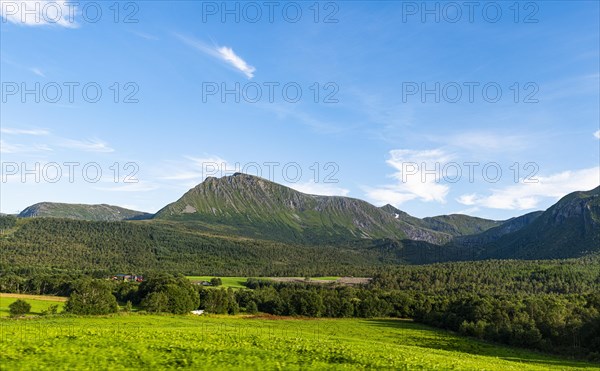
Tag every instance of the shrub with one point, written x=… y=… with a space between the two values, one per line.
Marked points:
x=53 y=309
x=19 y=308
x=128 y=306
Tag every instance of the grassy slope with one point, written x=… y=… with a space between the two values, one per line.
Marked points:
x=233 y=282
x=254 y=207
x=81 y=212
x=168 y=342
x=38 y=303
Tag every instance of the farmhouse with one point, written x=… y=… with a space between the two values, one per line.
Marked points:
x=127 y=278
x=202 y=283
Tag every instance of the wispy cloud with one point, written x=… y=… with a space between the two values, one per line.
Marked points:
x=484 y=141
x=87 y=145
x=597 y=134
x=194 y=170
x=39 y=13
x=229 y=56
x=15 y=131
x=524 y=196
x=144 y=35
x=414 y=177
x=322 y=189
x=37 y=71
x=93 y=145
x=6 y=147
x=224 y=53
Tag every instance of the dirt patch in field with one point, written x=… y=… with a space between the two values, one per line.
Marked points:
x=34 y=297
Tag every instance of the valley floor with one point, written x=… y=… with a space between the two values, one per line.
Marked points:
x=138 y=341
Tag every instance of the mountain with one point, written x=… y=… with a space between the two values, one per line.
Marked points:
x=82 y=212
x=252 y=206
x=453 y=225
x=242 y=224
x=569 y=228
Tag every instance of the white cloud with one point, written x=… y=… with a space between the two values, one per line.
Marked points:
x=14 y=131
x=597 y=134
x=144 y=35
x=418 y=177
x=37 y=71
x=229 y=56
x=6 y=147
x=190 y=173
x=10 y=148
x=321 y=189
x=224 y=53
x=485 y=141
x=524 y=196
x=39 y=13
x=93 y=145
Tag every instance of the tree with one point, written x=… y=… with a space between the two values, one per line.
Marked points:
x=19 y=307
x=156 y=302
x=128 y=306
x=252 y=308
x=216 y=281
x=178 y=295
x=92 y=297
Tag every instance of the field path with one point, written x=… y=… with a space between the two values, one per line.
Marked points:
x=34 y=297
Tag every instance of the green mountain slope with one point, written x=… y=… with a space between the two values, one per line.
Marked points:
x=245 y=225
x=453 y=225
x=82 y=212
x=142 y=246
x=251 y=206
x=570 y=228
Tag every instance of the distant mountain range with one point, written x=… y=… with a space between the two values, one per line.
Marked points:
x=249 y=208
x=82 y=212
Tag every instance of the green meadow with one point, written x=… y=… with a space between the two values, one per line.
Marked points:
x=38 y=303
x=238 y=282
x=233 y=282
x=138 y=341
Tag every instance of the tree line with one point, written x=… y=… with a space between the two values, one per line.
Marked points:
x=553 y=306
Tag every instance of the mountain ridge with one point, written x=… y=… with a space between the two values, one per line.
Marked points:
x=96 y=212
x=252 y=207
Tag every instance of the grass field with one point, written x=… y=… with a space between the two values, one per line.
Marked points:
x=327 y=278
x=233 y=282
x=38 y=302
x=241 y=343
x=238 y=282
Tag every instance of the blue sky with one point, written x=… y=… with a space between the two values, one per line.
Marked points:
x=369 y=132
